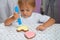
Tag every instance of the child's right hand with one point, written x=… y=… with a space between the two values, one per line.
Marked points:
x=15 y=16
x=11 y=19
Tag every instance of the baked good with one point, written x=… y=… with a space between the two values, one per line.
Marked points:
x=22 y=28
x=29 y=34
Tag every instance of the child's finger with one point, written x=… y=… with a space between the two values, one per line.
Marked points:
x=37 y=28
x=41 y=28
x=16 y=15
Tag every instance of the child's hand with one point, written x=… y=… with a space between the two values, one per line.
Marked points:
x=41 y=27
x=11 y=19
x=8 y=22
x=15 y=15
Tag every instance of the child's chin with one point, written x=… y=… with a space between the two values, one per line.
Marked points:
x=26 y=16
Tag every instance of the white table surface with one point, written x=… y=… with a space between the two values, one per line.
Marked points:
x=9 y=33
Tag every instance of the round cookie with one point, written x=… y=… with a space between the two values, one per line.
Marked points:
x=29 y=34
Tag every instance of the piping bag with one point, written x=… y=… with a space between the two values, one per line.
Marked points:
x=19 y=19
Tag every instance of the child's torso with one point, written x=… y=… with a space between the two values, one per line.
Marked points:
x=30 y=21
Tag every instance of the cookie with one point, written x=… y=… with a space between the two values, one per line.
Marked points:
x=22 y=28
x=29 y=34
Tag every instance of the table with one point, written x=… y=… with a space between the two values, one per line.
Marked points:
x=10 y=33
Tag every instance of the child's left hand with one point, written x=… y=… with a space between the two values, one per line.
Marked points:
x=41 y=27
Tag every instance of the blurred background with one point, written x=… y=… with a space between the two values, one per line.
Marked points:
x=51 y=8
x=45 y=7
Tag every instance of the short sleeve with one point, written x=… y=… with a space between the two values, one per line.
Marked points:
x=44 y=18
x=41 y=18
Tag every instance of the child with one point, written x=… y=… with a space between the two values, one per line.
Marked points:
x=27 y=15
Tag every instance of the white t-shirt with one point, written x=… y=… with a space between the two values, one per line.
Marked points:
x=35 y=18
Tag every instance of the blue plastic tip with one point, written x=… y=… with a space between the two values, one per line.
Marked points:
x=19 y=21
x=16 y=9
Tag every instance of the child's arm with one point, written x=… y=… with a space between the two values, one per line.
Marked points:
x=50 y=22
x=11 y=19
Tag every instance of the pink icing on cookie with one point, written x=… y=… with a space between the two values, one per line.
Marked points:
x=29 y=34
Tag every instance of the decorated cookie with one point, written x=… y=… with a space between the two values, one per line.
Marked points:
x=29 y=34
x=22 y=28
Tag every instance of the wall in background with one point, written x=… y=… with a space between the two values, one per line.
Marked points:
x=54 y=9
x=38 y=5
